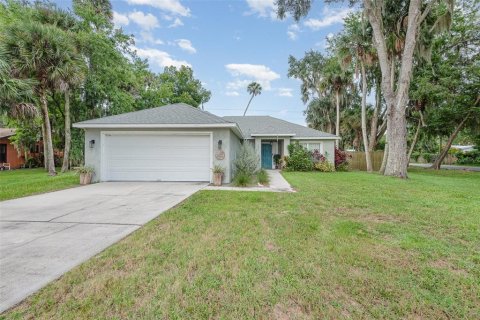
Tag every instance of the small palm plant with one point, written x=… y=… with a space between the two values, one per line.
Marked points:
x=254 y=89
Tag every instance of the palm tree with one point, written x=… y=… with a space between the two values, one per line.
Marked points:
x=335 y=80
x=71 y=74
x=254 y=88
x=40 y=51
x=16 y=95
x=354 y=47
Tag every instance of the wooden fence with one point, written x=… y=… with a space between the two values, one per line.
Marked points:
x=357 y=160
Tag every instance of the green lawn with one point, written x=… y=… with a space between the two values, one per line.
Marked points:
x=346 y=245
x=25 y=182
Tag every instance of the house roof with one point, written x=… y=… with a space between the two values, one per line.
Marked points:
x=252 y=126
x=6 y=132
x=172 y=114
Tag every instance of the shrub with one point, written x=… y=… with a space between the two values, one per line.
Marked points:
x=85 y=170
x=218 y=169
x=429 y=157
x=247 y=161
x=317 y=156
x=470 y=157
x=324 y=166
x=341 y=160
x=277 y=159
x=242 y=179
x=262 y=177
x=415 y=156
x=299 y=159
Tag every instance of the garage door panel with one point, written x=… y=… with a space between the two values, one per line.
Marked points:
x=151 y=157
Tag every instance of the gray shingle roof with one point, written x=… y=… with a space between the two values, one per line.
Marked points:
x=179 y=113
x=272 y=126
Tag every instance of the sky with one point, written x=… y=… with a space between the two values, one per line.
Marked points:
x=229 y=44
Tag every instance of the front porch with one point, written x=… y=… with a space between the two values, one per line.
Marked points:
x=268 y=146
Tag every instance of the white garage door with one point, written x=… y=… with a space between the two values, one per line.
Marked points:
x=156 y=157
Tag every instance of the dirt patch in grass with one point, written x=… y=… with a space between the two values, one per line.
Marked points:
x=270 y=246
x=288 y=311
x=447 y=265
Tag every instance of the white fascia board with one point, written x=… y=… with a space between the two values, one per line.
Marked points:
x=316 y=138
x=151 y=126
x=272 y=135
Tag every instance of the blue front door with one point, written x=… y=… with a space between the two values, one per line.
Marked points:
x=266 y=156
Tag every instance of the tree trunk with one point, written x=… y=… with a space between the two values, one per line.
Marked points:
x=68 y=136
x=414 y=141
x=48 y=134
x=384 y=160
x=337 y=120
x=396 y=99
x=248 y=105
x=438 y=162
x=397 y=144
x=374 y=122
x=364 y=118
x=45 y=154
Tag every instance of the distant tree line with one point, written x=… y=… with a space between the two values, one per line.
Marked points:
x=58 y=67
x=418 y=59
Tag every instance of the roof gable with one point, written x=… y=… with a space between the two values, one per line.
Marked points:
x=267 y=125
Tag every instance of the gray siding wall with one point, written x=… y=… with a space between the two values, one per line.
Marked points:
x=235 y=143
x=328 y=148
x=93 y=155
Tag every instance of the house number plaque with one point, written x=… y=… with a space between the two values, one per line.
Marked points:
x=220 y=155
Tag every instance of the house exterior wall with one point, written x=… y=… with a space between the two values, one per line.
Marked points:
x=93 y=155
x=327 y=147
x=15 y=159
x=235 y=144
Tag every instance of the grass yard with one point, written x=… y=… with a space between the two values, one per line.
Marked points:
x=25 y=182
x=346 y=245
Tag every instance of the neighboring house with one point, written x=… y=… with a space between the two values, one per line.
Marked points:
x=463 y=148
x=181 y=143
x=8 y=153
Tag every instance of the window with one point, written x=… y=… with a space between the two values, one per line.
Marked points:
x=313 y=146
x=3 y=152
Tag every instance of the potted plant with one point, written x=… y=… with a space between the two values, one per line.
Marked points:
x=86 y=173
x=277 y=159
x=218 y=172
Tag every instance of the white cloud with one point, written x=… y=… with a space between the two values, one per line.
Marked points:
x=232 y=93
x=330 y=17
x=292 y=31
x=120 y=19
x=264 y=8
x=260 y=73
x=145 y=21
x=186 y=45
x=146 y=36
x=160 y=58
x=176 y=23
x=285 y=92
x=238 y=85
x=172 y=6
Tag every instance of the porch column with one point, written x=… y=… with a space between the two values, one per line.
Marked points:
x=286 y=142
x=258 y=150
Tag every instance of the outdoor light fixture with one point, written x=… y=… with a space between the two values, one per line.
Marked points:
x=92 y=143
x=219 y=144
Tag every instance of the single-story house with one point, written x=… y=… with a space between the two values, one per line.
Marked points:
x=8 y=154
x=181 y=143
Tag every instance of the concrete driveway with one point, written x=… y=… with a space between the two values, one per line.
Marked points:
x=44 y=236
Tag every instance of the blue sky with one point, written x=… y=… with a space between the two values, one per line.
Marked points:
x=229 y=44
